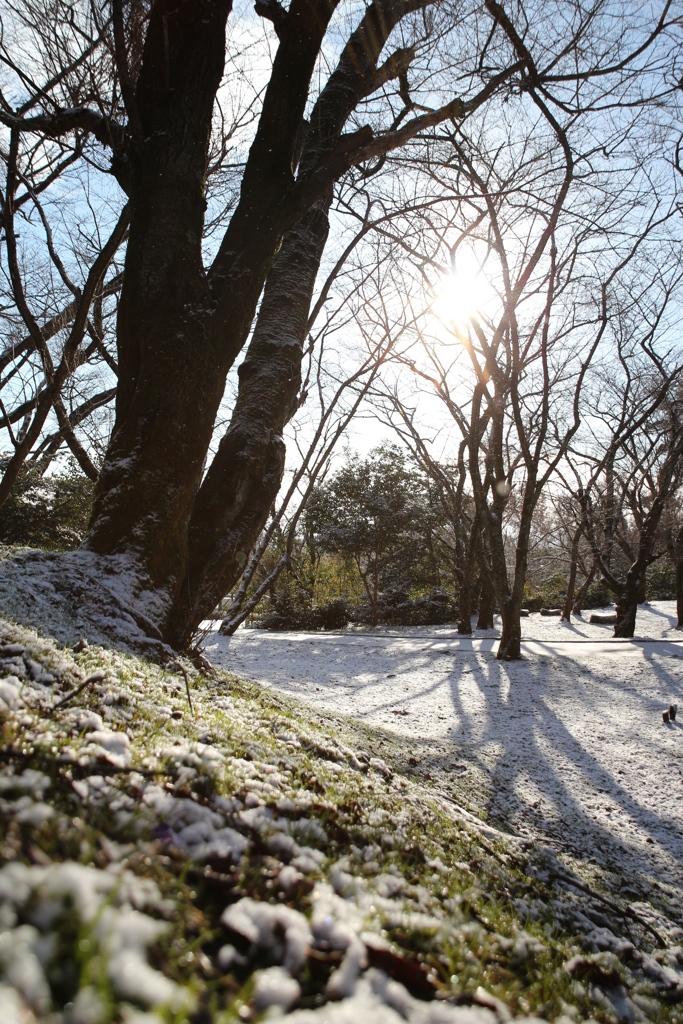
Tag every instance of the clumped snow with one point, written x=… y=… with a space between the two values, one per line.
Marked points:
x=103 y=902
x=570 y=740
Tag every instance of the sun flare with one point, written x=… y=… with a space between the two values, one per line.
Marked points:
x=463 y=293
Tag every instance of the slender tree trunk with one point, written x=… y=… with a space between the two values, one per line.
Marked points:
x=582 y=592
x=465 y=604
x=487 y=601
x=476 y=592
x=571 y=582
x=467 y=579
x=499 y=578
x=511 y=599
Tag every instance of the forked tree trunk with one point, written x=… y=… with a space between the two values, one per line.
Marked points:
x=235 y=498
x=179 y=328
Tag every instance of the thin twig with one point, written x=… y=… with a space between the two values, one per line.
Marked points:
x=187 y=682
x=622 y=911
x=96 y=677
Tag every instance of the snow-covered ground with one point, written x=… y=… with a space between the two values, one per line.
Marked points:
x=571 y=738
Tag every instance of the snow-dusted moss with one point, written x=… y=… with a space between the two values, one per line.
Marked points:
x=247 y=858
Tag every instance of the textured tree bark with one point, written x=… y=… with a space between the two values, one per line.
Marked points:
x=627 y=602
x=165 y=354
x=571 y=582
x=509 y=648
x=465 y=604
x=180 y=329
x=577 y=606
x=244 y=478
x=467 y=580
x=679 y=579
x=487 y=601
x=242 y=483
x=642 y=589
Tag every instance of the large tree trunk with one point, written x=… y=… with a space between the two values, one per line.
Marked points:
x=242 y=483
x=166 y=368
x=509 y=648
x=679 y=593
x=180 y=329
x=627 y=603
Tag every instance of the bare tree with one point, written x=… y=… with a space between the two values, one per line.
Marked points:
x=633 y=479
x=527 y=352
x=187 y=302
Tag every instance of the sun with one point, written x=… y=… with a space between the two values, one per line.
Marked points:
x=463 y=293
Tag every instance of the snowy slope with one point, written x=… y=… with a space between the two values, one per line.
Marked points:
x=570 y=740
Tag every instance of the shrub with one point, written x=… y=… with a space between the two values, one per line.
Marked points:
x=551 y=593
x=285 y=615
x=47 y=511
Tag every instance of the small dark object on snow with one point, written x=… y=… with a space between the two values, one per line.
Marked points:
x=604 y=618
x=665 y=716
x=551 y=611
x=524 y=613
x=673 y=708
x=82 y=645
x=417 y=977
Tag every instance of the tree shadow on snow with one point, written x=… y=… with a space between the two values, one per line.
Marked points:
x=523 y=736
